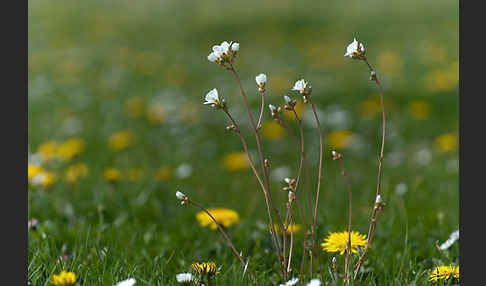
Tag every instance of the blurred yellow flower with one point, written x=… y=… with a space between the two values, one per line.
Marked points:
x=223 y=216
x=444 y=273
x=121 y=140
x=74 y=172
x=163 y=173
x=390 y=63
x=112 y=175
x=271 y=130
x=280 y=83
x=64 y=279
x=295 y=228
x=70 y=148
x=236 y=161
x=442 y=79
x=447 y=142
x=336 y=241
x=371 y=107
x=339 y=139
x=134 y=174
x=47 y=150
x=135 y=106
x=33 y=170
x=419 y=109
x=156 y=114
x=299 y=109
x=44 y=179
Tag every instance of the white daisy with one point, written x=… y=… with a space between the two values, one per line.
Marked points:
x=127 y=282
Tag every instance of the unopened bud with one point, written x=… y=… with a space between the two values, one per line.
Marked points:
x=378 y=200
x=231 y=127
x=336 y=155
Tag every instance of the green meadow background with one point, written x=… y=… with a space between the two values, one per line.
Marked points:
x=96 y=68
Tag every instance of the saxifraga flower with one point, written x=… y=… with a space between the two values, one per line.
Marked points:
x=336 y=241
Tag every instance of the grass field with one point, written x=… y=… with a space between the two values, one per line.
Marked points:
x=100 y=67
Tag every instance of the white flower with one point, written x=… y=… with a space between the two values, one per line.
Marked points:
x=127 y=282
x=212 y=57
x=184 y=277
x=183 y=171
x=378 y=200
x=235 y=46
x=212 y=97
x=291 y=282
x=224 y=47
x=180 y=195
x=354 y=49
x=287 y=99
x=261 y=79
x=287 y=180
x=39 y=179
x=314 y=282
x=452 y=238
x=300 y=85
x=272 y=108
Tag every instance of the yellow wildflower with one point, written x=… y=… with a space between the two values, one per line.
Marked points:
x=74 y=172
x=236 y=161
x=121 y=140
x=272 y=130
x=33 y=170
x=223 y=216
x=299 y=109
x=390 y=63
x=442 y=79
x=444 y=273
x=419 y=109
x=336 y=241
x=205 y=268
x=134 y=174
x=112 y=175
x=295 y=228
x=44 y=179
x=47 y=150
x=135 y=106
x=70 y=148
x=339 y=139
x=163 y=173
x=64 y=279
x=156 y=114
x=447 y=142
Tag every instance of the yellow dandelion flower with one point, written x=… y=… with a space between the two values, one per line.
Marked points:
x=272 y=130
x=419 y=109
x=339 y=139
x=223 y=216
x=112 y=175
x=336 y=241
x=163 y=173
x=236 y=161
x=64 y=279
x=134 y=174
x=156 y=114
x=444 y=273
x=390 y=63
x=74 y=172
x=121 y=140
x=70 y=148
x=47 y=150
x=299 y=109
x=205 y=268
x=135 y=106
x=295 y=228
x=33 y=170
x=447 y=142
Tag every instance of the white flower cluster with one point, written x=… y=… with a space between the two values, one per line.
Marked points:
x=224 y=53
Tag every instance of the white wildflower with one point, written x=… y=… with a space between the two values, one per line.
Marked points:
x=378 y=200
x=212 y=57
x=184 y=277
x=183 y=171
x=235 y=46
x=272 y=108
x=180 y=195
x=291 y=282
x=355 y=50
x=127 y=282
x=401 y=189
x=300 y=85
x=261 y=79
x=452 y=238
x=287 y=99
x=314 y=282
x=212 y=97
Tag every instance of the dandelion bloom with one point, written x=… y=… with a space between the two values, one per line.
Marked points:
x=76 y=171
x=205 y=268
x=444 y=273
x=223 y=216
x=47 y=150
x=33 y=170
x=272 y=130
x=112 y=175
x=64 y=279
x=70 y=148
x=339 y=139
x=336 y=241
x=121 y=140
x=446 y=142
x=295 y=228
x=236 y=161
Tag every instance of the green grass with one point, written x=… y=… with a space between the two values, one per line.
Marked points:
x=87 y=59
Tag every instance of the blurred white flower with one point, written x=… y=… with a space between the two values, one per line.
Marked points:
x=452 y=238
x=423 y=156
x=314 y=282
x=287 y=99
x=355 y=50
x=280 y=172
x=221 y=52
x=212 y=97
x=235 y=46
x=378 y=200
x=183 y=171
x=401 y=189
x=212 y=57
x=127 y=282
x=184 y=277
x=261 y=79
x=291 y=282
x=180 y=195
x=272 y=108
x=300 y=85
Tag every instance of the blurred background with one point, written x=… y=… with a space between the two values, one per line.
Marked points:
x=116 y=125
